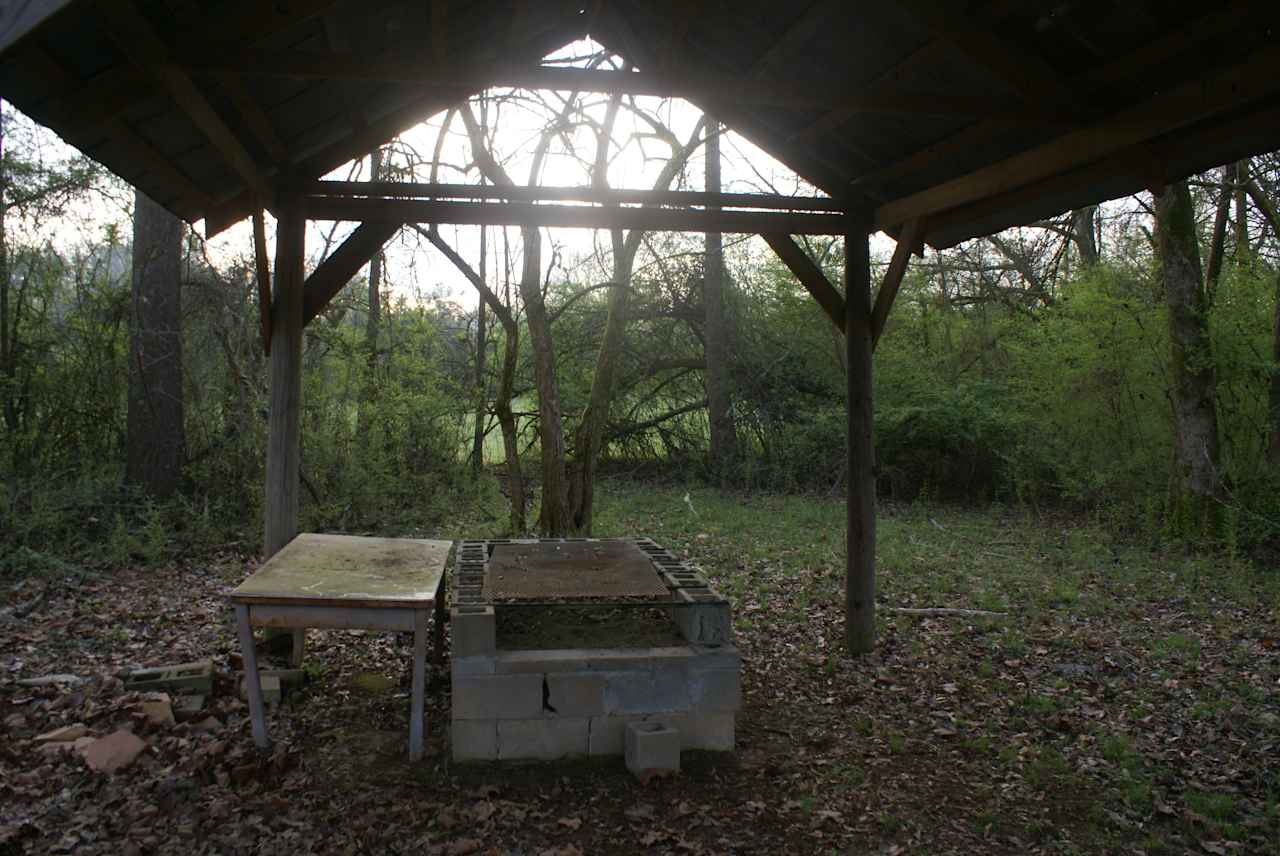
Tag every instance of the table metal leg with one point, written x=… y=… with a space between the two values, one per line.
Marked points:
x=252 y=679
x=417 y=708
x=437 y=640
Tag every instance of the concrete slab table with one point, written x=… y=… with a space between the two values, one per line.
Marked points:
x=346 y=582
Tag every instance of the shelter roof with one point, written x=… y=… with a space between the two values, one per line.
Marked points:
x=974 y=115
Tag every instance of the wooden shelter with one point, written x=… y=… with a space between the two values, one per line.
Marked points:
x=933 y=121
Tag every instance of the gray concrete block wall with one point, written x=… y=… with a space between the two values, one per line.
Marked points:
x=551 y=704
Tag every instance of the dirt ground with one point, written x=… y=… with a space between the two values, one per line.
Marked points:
x=1111 y=716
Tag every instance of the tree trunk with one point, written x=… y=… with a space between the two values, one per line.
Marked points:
x=477 y=437
x=724 y=435
x=554 y=520
x=1243 y=250
x=507 y=422
x=1196 y=482
x=588 y=439
x=1273 y=448
x=8 y=367
x=155 y=432
x=1082 y=233
x=1218 y=237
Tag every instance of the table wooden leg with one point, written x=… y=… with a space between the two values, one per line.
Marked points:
x=252 y=680
x=437 y=640
x=417 y=707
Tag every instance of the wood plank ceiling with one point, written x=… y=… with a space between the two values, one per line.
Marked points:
x=971 y=115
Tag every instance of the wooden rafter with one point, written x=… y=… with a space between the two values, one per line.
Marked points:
x=1211 y=25
x=135 y=37
x=887 y=81
x=809 y=274
x=793 y=38
x=190 y=198
x=254 y=117
x=1020 y=70
x=600 y=196
x=911 y=240
x=1255 y=78
x=649 y=219
x=343 y=264
x=701 y=86
x=1119 y=172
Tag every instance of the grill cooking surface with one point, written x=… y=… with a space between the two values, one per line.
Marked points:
x=572 y=571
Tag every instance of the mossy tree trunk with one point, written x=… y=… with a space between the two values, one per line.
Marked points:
x=1196 y=482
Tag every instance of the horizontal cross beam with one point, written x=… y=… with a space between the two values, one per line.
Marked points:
x=649 y=219
x=599 y=196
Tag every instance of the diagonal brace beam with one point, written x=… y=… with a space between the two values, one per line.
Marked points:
x=911 y=240
x=343 y=264
x=810 y=276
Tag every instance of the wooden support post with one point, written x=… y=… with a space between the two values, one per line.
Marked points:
x=860 y=572
x=283 y=451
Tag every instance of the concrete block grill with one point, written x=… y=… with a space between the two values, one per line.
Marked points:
x=514 y=699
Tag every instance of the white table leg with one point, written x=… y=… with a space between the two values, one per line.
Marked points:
x=417 y=708
x=252 y=680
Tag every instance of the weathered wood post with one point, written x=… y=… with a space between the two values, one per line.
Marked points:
x=860 y=571
x=283 y=443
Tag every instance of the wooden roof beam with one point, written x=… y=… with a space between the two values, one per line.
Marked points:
x=883 y=84
x=1255 y=78
x=702 y=87
x=1209 y=26
x=600 y=196
x=1138 y=167
x=190 y=197
x=809 y=274
x=573 y=216
x=1020 y=70
x=136 y=39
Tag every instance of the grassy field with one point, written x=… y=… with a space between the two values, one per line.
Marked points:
x=1125 y=700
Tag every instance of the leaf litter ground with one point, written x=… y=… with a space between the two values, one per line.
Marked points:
x=1128 y=701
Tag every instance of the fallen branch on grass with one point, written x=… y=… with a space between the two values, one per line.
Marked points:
x=905 y=610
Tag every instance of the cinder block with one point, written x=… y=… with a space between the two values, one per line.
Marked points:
x=497 y=696
x=194 y=677
x=715 y=657
x=575 y=694
x=607 y=733
x=477 y=665
x=544 y=739
x=474 y=739
x=651 y=746
x=712 y=732
x=636 y=659
x=715 y=690
x=628 y=692
x=474 y=631
x=558 y=660
x=666 y=688
x=705 y=620
x=271 y=692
